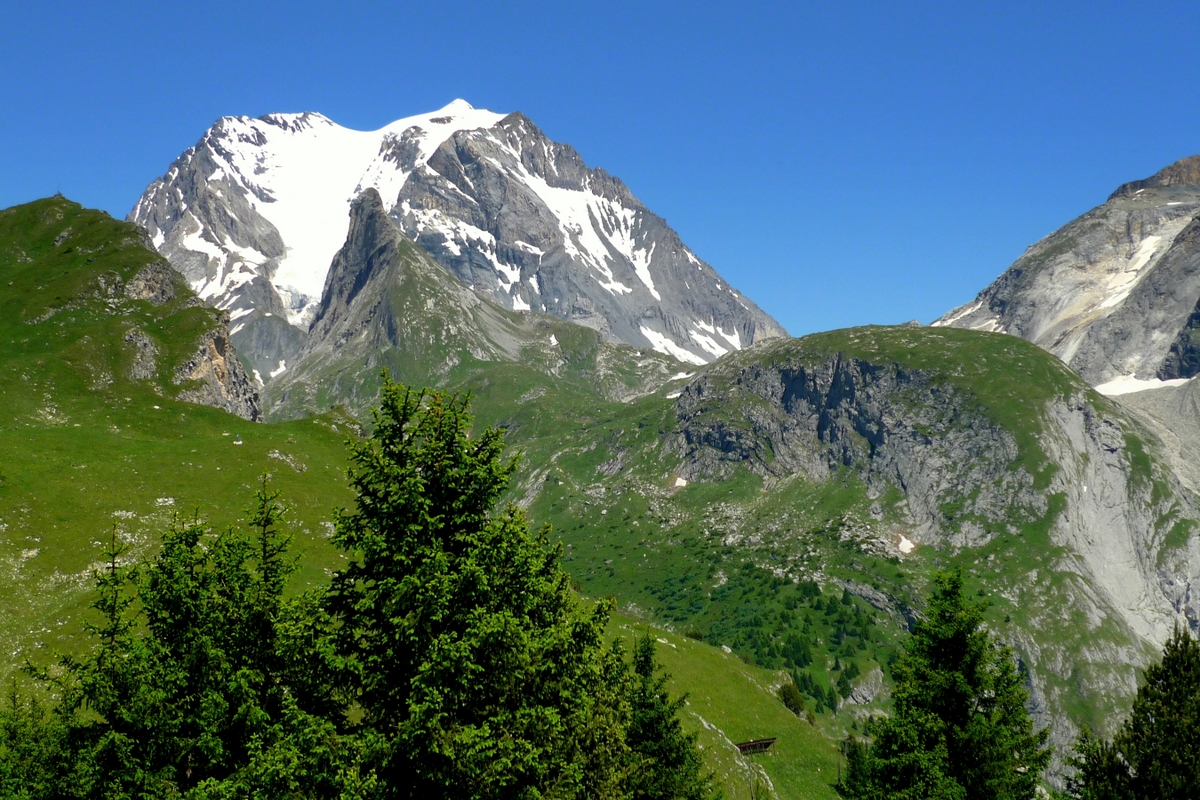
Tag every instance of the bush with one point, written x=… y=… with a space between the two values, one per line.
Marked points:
x=791 y=697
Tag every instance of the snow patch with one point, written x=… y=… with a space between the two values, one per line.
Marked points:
x=665 y=345
x=955 y=316
x=906 y=545
x=280 y=369
x=1122 y=283
x=1127 y=384
x=519 y=303
x=709 y=344
x=528 y=248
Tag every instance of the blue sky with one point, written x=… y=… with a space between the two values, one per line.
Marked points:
x=841 y=163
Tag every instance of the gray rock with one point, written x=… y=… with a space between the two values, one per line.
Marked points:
x=895 y=426
x=144 y=366
x=1116 y=291
x=867 y=689
x=214 y=376
x=154 y=283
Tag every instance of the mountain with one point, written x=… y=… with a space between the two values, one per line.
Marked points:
x=388 y=303
x=253 y=214
x=1115 y=293
x=788 y=502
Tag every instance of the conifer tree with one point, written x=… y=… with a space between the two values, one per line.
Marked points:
x=669 y=765
x=960 y=728
x=196 y=700
x=476 y=664
x=1156 y=752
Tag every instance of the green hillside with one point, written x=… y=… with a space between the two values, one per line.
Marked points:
x=80 y=458
x=85 y=448
x=765 y=513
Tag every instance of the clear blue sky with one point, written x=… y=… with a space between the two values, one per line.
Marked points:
x=841 y=163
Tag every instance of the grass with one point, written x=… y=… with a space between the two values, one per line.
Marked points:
x=730 y=701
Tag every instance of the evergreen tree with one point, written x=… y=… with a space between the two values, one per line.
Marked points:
x=475 y=662
x=960 y=728
x=197 y=700
x=669 y=766
x=31 y=749
x=1156 y=753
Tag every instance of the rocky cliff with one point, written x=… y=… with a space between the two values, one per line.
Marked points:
x=214 y=376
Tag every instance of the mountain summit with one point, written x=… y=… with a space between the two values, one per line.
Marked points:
x=253 y=214
x=1115 y=293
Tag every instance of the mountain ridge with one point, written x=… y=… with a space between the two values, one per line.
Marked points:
x=253 y=214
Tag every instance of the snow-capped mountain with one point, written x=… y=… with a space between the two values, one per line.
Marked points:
x=1115 y=293
x=254 y=213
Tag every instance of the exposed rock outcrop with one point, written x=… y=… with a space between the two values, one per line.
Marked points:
x=896 y=426
x=215 y=377
x=144 y=366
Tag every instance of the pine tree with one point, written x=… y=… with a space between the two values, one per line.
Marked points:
x=476 y=663
x=669 y=766
x=1156 y=753
x=197 y=699
x=960 y=728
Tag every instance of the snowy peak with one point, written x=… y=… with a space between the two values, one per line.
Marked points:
x=254 y=213
x=268 y=197
x=523 y=219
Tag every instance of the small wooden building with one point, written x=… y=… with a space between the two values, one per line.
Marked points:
x=756 y=746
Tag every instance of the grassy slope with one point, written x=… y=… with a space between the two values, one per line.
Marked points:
x=730 y=701
x=83 y=448
x=80 y=457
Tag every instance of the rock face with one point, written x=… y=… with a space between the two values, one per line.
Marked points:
x=523 y=219
x=1115 y=293
x=387 y=302
x=384 y=296
x=1074 y=520
x=254 y=213
x=1173 y=412
x=893 y=425
x=215 y=377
